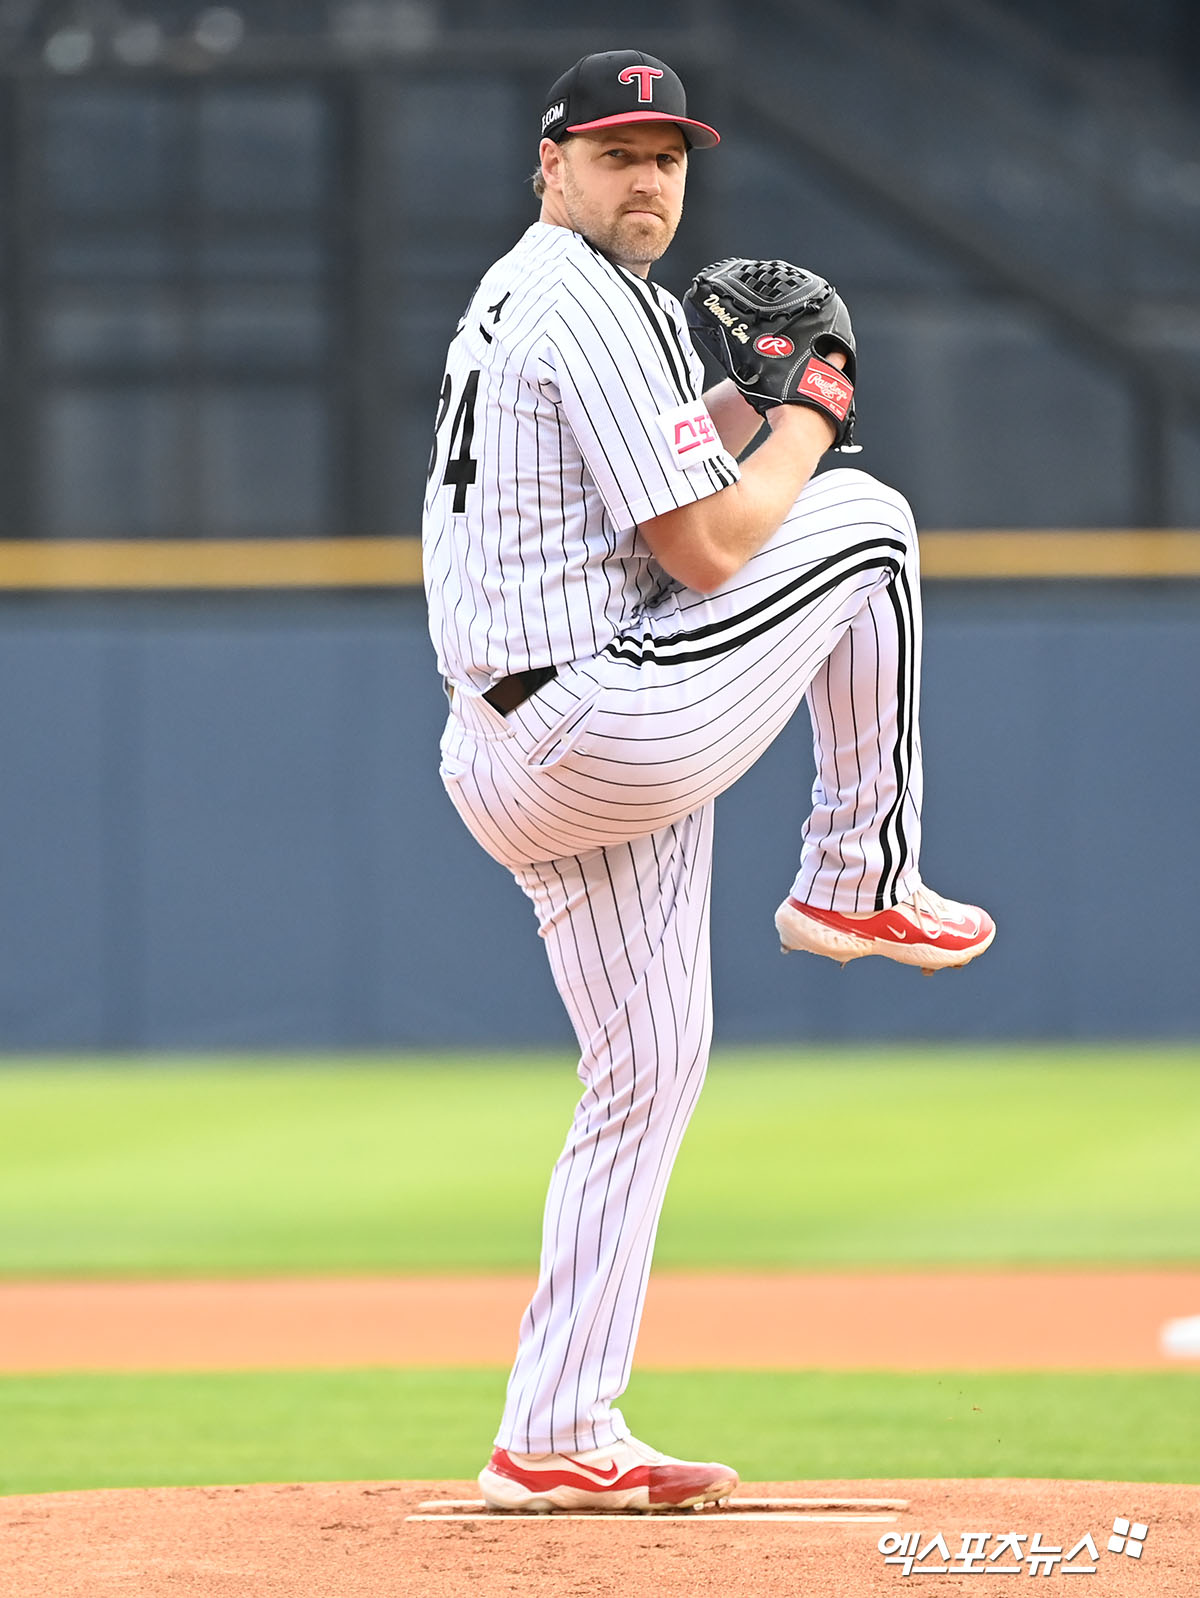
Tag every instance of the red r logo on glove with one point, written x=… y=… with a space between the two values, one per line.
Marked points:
x=774 y=344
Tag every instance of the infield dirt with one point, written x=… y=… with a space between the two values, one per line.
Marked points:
x=354 y=1540
x=1015 y=1320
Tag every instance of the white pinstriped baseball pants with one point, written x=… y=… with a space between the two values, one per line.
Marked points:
x=598 y=791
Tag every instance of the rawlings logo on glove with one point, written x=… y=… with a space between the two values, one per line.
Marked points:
x=769 y=324
x=827 y=387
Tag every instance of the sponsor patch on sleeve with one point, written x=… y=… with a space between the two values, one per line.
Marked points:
x=690 y=433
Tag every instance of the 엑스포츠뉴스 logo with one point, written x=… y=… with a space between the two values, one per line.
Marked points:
x=1008 y=1554
x=775 y=344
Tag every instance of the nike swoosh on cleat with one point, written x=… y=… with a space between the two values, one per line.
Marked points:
x=609 y=1473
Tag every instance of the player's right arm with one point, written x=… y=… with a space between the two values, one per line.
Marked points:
x=704 y=544
x=617 y=362
x=734 y=418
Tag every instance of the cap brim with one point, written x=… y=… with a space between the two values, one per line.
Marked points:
x=700 y=135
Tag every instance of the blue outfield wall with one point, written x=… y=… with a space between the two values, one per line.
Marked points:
x=221 y=827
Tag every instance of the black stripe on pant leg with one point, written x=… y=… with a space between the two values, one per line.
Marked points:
x=680 y=647
x=849 y=637
x=885 y=848
x=910 y=727
x=837 y=775
x=673 y=655
x=902 y=745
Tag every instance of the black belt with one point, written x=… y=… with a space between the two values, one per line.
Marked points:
x=510 y=692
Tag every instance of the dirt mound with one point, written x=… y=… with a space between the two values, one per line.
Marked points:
x=354 y=1540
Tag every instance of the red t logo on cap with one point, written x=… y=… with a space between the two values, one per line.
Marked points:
x=645 y=77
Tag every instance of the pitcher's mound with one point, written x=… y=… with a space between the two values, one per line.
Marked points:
x=354 y=1540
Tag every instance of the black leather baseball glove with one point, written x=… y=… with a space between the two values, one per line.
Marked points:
x=770 y=324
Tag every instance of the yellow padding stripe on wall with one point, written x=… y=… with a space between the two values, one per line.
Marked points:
x=211 y=563
x=1129 y=553
x=61 y=564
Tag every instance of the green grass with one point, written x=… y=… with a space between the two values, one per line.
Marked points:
x=891 y=1157
x=64 y=1432
x=838 y=1158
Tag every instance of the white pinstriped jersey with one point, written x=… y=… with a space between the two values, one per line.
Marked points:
x=570 y=412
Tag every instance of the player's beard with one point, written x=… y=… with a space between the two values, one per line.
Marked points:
x=633 y=241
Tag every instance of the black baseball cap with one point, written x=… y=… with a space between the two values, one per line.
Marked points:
x=616 y=87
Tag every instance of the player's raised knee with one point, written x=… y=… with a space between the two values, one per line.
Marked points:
x=857 y=481
x=878 y=501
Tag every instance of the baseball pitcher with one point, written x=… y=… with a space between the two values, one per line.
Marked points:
x=625 y=618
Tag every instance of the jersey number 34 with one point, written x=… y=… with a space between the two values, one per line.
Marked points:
x=461 y=466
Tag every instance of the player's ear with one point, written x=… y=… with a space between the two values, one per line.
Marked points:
x=550 y=154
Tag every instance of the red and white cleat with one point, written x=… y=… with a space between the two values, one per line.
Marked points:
x=926 y=931
x=628 y=1476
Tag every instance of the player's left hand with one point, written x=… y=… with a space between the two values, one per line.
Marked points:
x=772 y=326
